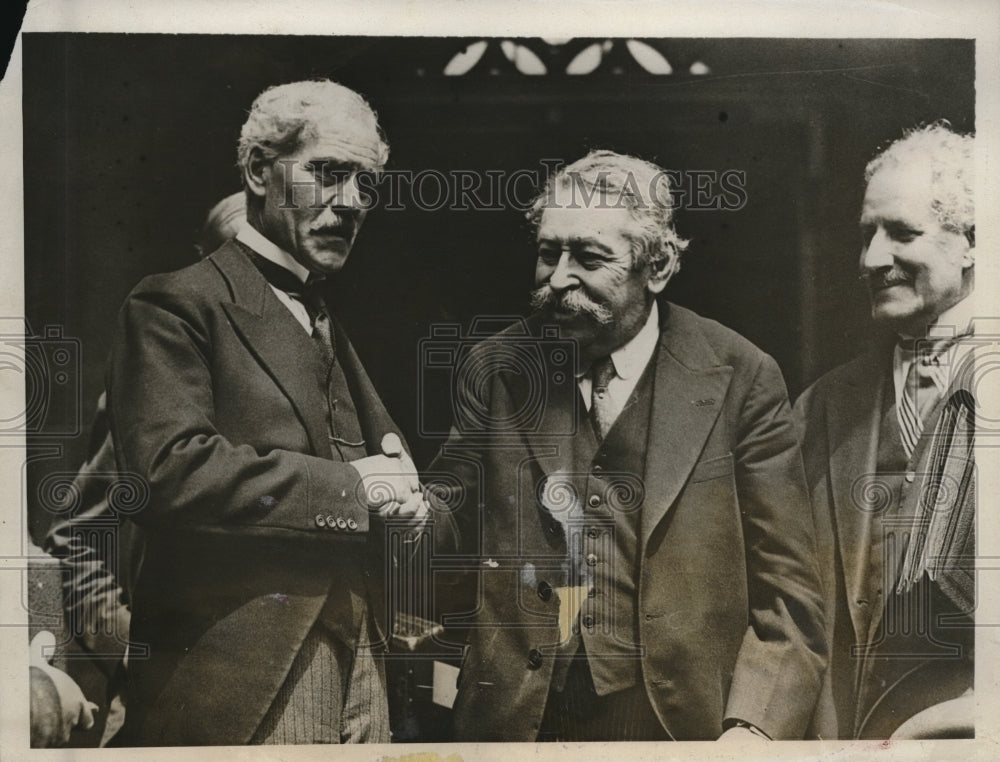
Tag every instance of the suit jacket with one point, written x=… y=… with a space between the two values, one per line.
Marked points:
x=216 y=404
x=728 y=603
x=839 y=419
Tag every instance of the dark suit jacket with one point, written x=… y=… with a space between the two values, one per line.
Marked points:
x=839 y=418
x=729 y=608
x=215 y=402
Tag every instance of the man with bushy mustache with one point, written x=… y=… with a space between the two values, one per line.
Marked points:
x=647 y=567
x=888 y=446
x=271 y=464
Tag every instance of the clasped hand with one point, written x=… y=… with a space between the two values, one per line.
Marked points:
x=54 y=713
x=390 y=482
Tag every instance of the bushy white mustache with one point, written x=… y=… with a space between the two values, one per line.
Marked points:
x=573 y=301
x=876 y=280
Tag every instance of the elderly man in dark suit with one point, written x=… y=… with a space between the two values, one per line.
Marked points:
x=887 y=441
x=240 y=402
x=646 y=567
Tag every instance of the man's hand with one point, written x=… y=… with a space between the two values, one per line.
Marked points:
x=51 y=723
x=390 y=482
x=386 y=480
x=416 y=507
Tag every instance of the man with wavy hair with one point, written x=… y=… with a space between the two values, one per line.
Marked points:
x=648 y=569
x=888 y=446
x=238 y=398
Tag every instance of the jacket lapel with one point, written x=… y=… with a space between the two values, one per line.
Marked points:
x=853 y=417
x=276 y=340
x=689 y=389
x=561 y=416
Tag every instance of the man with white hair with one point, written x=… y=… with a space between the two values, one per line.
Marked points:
x=888 y=446
x=647 y=563
x=238 y=399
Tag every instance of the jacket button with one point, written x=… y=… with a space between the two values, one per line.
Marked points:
x=592 y=533
x=594 y=501
x=331 y=522
x=910 y=477
x=534 y=658
x=591 y=559
x=341 y=522
x=320 y=520
x=352 y=524
x=588 y=621
x=592 y=592
x=544 y=590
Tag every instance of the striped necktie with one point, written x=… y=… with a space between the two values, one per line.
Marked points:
x=602 y=414
x=925 y=382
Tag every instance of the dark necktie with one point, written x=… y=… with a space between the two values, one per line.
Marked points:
x=315 y=305
x=601 y=410
x=309 y=293
x=342 y=418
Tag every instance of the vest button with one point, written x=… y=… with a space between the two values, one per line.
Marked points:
x=910 y=476
x=594 y=500
x=331 y=522
x=588 y=621
x=341 y=523
x=544 y=590
x=592 y=592
x=591 y=559
x=597 y=468
x=592 y=533
x=320 y=520
x=534 y=658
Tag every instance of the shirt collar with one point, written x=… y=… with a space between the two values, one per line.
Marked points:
x=632 y=358
x=955 y=321
x=958 y=317
x=253 y=238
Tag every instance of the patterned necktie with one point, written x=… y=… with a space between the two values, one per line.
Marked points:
x=921 y=391
x=602 y=414
x=315 y=305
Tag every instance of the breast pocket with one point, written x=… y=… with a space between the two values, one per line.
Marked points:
x=713 y=468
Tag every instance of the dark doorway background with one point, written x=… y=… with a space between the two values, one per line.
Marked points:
x=129 y=139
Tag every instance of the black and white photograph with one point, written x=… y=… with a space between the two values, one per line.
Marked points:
x=533 y=374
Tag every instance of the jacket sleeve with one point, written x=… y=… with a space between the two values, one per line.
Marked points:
x=161 y=399
x=784 y=651
x=93 y=599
